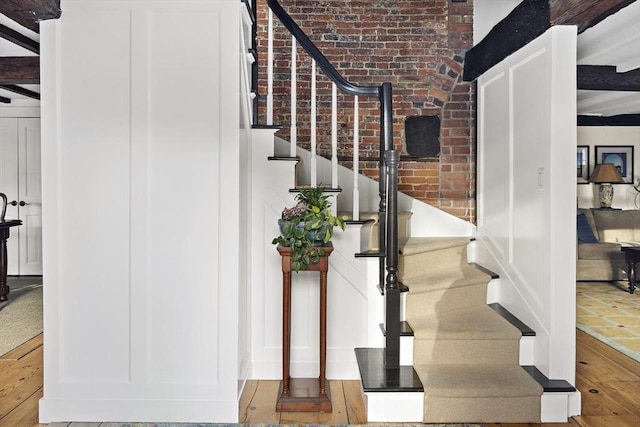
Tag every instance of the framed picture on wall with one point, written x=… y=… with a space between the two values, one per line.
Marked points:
x=621 y=156
x=583 y=164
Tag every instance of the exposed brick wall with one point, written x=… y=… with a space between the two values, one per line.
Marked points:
x=419 y=47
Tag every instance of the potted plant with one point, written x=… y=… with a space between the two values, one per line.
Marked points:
x=306 y=227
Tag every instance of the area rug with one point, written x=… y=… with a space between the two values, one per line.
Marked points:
x=21 y=315
x=248 y=425
x=606 y=311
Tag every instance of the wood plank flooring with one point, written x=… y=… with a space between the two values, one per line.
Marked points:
x=608 y=380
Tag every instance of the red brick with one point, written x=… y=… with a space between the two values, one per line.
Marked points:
x=407 y=45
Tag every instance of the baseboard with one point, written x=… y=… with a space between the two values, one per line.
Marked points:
x=161 y=410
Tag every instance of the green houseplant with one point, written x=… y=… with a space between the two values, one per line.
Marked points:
x=306 y=227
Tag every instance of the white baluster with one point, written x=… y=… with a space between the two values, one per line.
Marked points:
x=356 y=160
x=270 y=71
x=334 y=136
x=294 y=124
x=314 y=171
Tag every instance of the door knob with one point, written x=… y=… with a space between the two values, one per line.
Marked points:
x=13 y=203
x=22 y=203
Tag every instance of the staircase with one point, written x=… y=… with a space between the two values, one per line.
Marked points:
x=465 y=354
x=459 y=357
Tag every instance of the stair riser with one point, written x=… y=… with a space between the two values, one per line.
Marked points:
x=464 y=352
x=423 y=264
x=370 y=233
x=482 y=410
x=445 y=299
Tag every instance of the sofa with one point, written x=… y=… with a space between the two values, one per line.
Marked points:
x=601 y=233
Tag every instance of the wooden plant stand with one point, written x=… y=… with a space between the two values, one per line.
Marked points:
x=303 y=394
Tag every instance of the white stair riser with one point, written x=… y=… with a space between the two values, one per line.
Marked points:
x=380 y=407
x=442 y=409
x=406 y=351
x=526 y=348
x=396 y=407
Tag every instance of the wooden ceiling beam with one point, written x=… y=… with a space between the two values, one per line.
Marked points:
x=21 y=91
x=605 y=77
x=19 y=70
x=526 y=22
x=584 y=13
x=29 y=12
x=19 y=39
x=529 y=20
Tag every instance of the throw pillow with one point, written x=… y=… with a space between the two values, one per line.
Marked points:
x=585 y=233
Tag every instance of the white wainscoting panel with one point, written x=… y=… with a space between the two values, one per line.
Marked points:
x=526 y=191
x=141 y=188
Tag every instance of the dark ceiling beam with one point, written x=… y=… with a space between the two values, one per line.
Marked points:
x=530 y=19
x=19 y=70
x=584 y=13
x=19 y=39
x=5 y=100
x=29 y=12
x=21 y=91
x=619 y=120
x=605 y=77
x=526 y=22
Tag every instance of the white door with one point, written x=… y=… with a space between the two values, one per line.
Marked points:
x=20 y=181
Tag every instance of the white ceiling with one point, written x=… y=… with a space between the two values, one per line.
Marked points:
x=10 y=49
x=613 y=41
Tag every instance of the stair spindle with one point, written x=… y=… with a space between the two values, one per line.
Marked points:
x=270 y=71
x=314 y=160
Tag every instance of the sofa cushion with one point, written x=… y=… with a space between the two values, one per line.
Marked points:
x=617 y=226
x=602 y=250
x=585 y=233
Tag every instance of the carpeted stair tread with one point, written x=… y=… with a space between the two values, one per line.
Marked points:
x=417 y=245
x=472 y=381
x=446 y=278
x=474 y=323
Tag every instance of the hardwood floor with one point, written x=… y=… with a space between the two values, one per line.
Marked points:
x=608 y=380
x=21 y=384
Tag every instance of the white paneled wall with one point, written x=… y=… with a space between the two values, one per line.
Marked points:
x=141 y=189
x=526 y=193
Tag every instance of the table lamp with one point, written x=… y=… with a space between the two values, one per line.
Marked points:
x=606 y=174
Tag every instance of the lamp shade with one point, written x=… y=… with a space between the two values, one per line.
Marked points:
x=606 y=173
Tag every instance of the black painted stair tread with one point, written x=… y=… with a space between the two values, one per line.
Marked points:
x=550 y=386
x=405 y=329
x=376 y=378
x=506 y=314
x=283 y=158
x=369 y=254
x=325 y=189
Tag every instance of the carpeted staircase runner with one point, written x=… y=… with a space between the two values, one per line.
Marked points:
x=465 y=354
